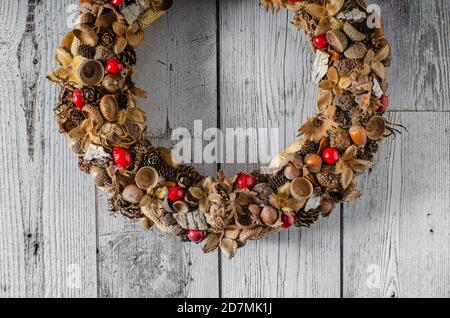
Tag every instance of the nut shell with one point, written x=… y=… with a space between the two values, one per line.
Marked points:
x=147 y=178
x=314 y=163
x=375 y=128
x=86 y=34
x=109 y=108
x=301 y=189
x=91 y=72
x=269 y=215
x=113 y=83
x=133 y=194
x=337 y=40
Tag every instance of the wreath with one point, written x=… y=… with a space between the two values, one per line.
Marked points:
x=98 y=112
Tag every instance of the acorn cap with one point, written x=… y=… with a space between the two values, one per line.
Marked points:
x=301 y=189
x=86 y=34
x=91 y=72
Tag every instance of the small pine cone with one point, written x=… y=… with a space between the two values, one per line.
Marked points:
x=86 y=51
x=169 y=173
x=368 y=151
x=278 y=180
x=343 y=119
x=309 y=147
x=340 y=139
x=187 y=176
x=92 y=95
x=128 y=56
x=328 y=179
x=107 y=39
x=122 y=100
x=260 y=178
x=84 y=165
x=359 y=117
x=75 y=115
x=118 y=204
x=346 y=66
x=306 y=219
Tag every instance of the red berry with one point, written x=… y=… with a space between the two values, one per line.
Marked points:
x=384 y=100
x=195 y=235
x=122 y=158
x=77 y=98
x=293 y=1
x=331 y=155
x=246 y=181
x=288 y=221
x=320 y=41
x=176 y=194
x=114 y=66
x=117 y=3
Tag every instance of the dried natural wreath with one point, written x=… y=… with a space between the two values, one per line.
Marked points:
x=98 y=112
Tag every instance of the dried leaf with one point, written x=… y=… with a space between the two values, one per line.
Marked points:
x=359 y=165
x=320 y=66
x=346 y=177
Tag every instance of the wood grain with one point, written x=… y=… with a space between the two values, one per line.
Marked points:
x=420 y=71
x=396 y=236
x=179 y=56
x=265 y=81
x=48 y=209
x=58 y=240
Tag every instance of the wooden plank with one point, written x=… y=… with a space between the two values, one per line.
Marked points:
x=177 y=66
x=418 y=33
x=265 y=79
x=48 y=237
x=396 y=237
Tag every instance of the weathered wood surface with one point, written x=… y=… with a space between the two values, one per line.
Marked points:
x=229 y=64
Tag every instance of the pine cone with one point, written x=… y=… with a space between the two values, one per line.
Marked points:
x=309 y=147
x=86 y=51
x=122 y=100
x=278 y=180
x=368 y=151
x=84 y=165
x=328 y=179
x=92 y=95
x=75 y=115
x=340 y=139
x=343 y=119
x=260 y=178
x=118 y=204
x=306 y=219
x=359 y=117
x=187 y=176
x=107 y=39
x=128 y=56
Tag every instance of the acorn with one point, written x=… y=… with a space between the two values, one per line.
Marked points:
x=314 y=163
x=91 y=72
x=358 y=135
x=146 y=178
x=291 y=172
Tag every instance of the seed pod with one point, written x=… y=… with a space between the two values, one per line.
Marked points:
x=210 y=243
x=181 y=207
x=100 y=176
x=135 y=35
x=356 y=51
x=109 y=108
x=353 y=33
x=86 y=34
x=358 y=135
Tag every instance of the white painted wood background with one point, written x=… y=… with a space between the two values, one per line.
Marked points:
x=229 y=64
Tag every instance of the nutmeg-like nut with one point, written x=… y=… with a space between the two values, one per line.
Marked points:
x=269 y=215
x=326 y=207
x=109 y=108
x=291 y=172
x=113 y=83
x=133 y=194
x=314 y=163
x=358 y=135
